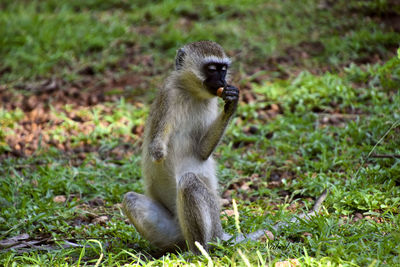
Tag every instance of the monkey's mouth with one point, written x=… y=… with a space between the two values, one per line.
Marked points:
x=213 y=86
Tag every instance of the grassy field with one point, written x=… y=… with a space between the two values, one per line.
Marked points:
x=319 y=110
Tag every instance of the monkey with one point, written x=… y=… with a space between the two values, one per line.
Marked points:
x=184 y=126
x=181 y=204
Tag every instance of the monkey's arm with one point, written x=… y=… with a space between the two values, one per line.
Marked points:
x=160 y=127
x=214 y=134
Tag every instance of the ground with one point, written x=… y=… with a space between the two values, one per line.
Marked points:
x=319 y=109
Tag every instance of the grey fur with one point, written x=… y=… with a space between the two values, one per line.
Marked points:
x=183 y=128
x=180 y=54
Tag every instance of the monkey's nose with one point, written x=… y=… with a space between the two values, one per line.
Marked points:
x=222 y=83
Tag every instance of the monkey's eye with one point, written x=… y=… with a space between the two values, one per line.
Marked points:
x=224 y=67
x=212 y=68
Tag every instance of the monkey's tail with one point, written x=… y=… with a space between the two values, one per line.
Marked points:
x=260 y=233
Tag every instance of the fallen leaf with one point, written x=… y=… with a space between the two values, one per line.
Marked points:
x=288 y=263
x=275 y=107
x=274 y=184
x=100 y=220
x=268 y=236
x=228 y=213
x=59 y=199
x=245 y=186
x=224 y=202
x=97 y=201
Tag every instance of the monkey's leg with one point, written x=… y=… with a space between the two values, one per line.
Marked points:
x=198 y=212
x=152 y=220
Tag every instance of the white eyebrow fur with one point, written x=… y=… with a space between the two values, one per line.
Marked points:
x=214 y=59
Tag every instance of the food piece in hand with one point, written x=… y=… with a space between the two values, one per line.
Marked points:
x=219 y=91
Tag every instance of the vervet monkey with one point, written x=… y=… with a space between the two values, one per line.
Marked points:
x=181 y=203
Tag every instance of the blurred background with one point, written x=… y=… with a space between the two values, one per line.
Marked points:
x=82 y=53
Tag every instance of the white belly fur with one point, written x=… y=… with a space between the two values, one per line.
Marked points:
x=162 y=178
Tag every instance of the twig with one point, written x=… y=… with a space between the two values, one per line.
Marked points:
x=383 y=156
x=341 y=115
x=313 y=212
x=394 y=125
x=261 y=232
x=24 y=243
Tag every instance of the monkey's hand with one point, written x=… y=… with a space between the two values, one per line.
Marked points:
x=157 y=150
x=231 y=97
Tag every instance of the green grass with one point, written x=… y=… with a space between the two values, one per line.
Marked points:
x=334 y=114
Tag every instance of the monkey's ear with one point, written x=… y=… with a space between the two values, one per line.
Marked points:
x=180 y=54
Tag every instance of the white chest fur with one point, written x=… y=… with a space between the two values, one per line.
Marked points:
x=191 y=123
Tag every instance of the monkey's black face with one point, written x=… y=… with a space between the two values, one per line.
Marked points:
x=215 y=74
